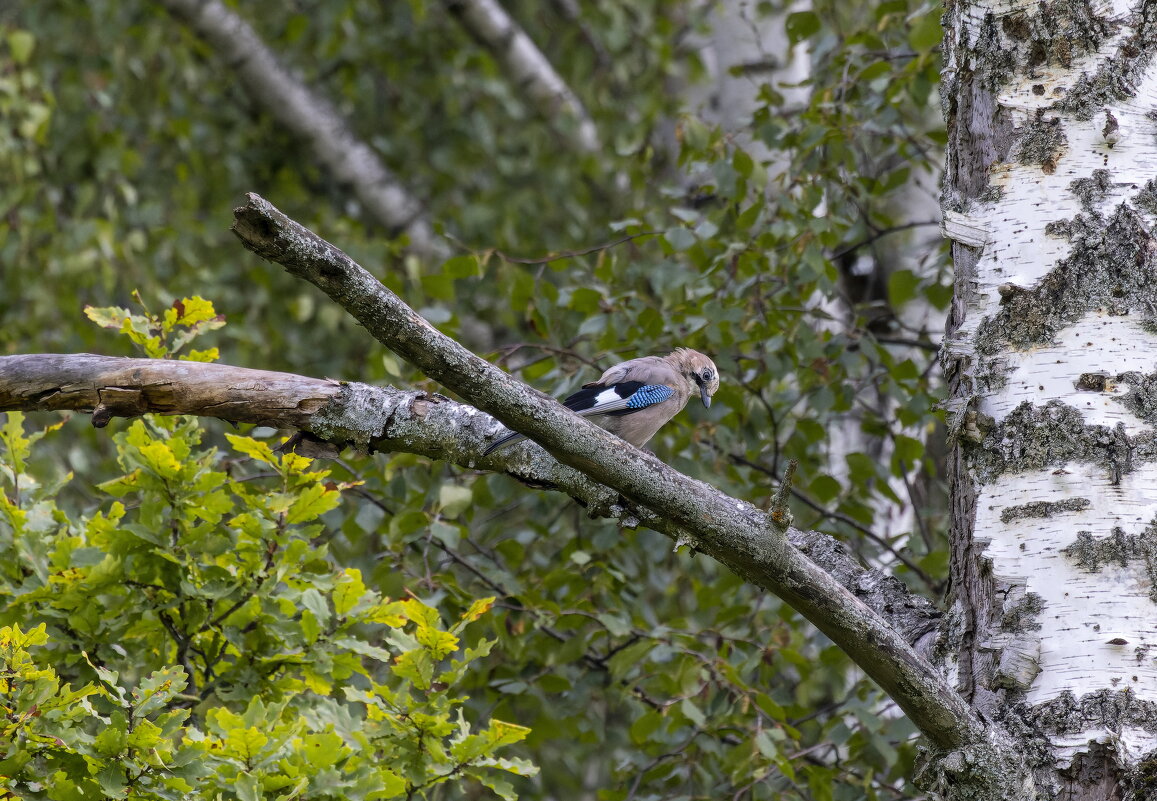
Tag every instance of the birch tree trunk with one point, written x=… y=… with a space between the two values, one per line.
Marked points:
x=1050 y=199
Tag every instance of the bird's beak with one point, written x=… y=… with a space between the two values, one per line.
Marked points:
x=703 y=394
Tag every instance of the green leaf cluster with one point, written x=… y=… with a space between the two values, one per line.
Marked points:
x=161 y=336
x=218 y=651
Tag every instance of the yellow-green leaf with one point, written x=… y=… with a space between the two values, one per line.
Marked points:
x=252 y=448
x=159 y=456
x=313 y=502
x=347 y=594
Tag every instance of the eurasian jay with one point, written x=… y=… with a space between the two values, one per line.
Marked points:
x=635 y=398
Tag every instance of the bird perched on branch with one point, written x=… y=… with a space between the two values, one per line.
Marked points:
x=635 y=398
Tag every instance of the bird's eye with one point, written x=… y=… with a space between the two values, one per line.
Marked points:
x=708 y=375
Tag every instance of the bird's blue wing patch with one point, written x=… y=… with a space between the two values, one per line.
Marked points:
x=590 y=400
x=617 y=399
x=649 y=395
x=621 y=398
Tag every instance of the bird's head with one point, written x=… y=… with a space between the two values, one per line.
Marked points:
x=699 y=369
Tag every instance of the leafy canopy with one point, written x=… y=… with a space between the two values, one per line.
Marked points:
x=790 y=250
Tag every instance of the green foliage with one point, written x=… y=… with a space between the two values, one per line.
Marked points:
x=159 y=336
x=218 y=650
x=788 y=251
x=219 y=653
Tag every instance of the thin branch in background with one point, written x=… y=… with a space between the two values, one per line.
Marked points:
x=772 y=419
x=932 y=585
x=528 y=69
x=824 y=512
x=925 y=534
x=878 y=235
x=658 y=760
x=511 y=602
x=313 y=119
x=507 y=351
x=911 y=343
x=369 y=496
x=566 y=254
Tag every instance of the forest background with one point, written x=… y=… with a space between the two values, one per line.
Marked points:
x=798 y=248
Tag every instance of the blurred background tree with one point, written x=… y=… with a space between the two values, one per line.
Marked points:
x=762 y=190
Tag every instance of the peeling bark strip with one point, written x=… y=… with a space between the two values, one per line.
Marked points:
x=311 y=117
x=386 y=420
x=1050 y=357
x=732 y=531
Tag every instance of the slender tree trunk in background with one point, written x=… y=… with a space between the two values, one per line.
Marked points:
x=1050 y=199
x=747 y=48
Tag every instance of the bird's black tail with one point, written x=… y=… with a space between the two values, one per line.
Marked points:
x=502 y=443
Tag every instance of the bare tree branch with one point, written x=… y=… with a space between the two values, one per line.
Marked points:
x=286 y=98
x=732 y=531
x=380 y=419
x=120 y=387
x=530 y=70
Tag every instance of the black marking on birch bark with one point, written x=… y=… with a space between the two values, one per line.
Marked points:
x=1094 y=382
x=1032 y=438
x=1033 y=744
x=1146 y=199
x=1034 y=728
x=1142 y=781
x=1092 y=190
x=1141 y=400
x=991 y=194
x=1026 y=511
x=1119 y=548
x=1112 y=709
x=1111 y=132
x=1118 y=76
x=969 y=773
x=998 y=63
x=1021 y=610
x=1113 y=268
x=1042 y=142
x=1045 y=34
x=981 y=129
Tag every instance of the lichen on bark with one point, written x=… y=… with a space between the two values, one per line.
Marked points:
x=1090 y=553
x=1043 y=509
x=1112 y=268
x=1032 y=438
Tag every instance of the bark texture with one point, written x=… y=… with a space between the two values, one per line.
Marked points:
x=1050 y=201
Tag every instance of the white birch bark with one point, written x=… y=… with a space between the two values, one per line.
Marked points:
x=1051 y=354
